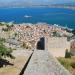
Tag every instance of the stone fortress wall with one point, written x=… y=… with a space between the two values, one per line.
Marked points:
x=58 y=45
x=72 y=47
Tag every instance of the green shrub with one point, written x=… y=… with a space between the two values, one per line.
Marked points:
x=5 y=29
x=65 y=63
x=67 y=54
x=73 y=65
x=2 y=40
x=5 y=52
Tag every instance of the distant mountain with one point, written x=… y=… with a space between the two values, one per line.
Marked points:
x=25 y=3
x=65 y=5
x=15 y=4
x=22 y=3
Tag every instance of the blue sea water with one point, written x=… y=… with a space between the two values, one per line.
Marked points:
x=59 y=16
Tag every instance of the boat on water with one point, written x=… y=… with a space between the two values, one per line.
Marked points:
x=27 y=16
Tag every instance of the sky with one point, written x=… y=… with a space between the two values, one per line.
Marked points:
x=39 y=1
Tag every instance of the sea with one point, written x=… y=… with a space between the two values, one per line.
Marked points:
x=60 y=16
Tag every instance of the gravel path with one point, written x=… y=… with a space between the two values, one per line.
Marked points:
x=43 y=63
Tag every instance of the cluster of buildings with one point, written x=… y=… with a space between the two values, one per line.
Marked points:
x=34 y=31
x=56 y=37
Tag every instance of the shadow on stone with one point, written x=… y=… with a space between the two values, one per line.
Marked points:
x=41 y=44
x=4 y=62
x=25 y=66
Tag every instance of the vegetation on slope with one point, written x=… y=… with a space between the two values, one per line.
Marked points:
x=68 y=63
x=4 y=51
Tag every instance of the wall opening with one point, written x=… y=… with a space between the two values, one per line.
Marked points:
x=41 y=44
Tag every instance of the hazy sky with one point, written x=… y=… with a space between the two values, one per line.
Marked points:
x=40 y=1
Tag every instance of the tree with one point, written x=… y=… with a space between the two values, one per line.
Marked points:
x=67 y=54
x=4 y=51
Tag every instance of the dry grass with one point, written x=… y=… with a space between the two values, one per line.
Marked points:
x=68 y=63
x=18 y=62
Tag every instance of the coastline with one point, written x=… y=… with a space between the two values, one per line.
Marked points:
x=49 y=6
x=59 y=16
x=38 y=23
x=70 y=8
